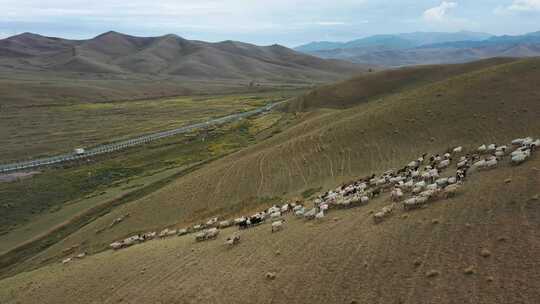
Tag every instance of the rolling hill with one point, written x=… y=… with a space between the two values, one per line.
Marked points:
x=38 y=71
x=343 y=131
x=116 y=53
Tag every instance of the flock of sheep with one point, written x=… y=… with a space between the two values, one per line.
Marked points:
x=420 y=182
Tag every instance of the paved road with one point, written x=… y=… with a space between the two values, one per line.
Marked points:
x=109 y=148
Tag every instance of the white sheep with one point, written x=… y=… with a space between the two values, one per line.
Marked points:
x=379 y=216
x=414 y=203
x=433 y=186
x=457 y=150
x=364 y=199
x=319 y=215
x=298 y=207
x=519 y=158
x=277 y=225
x=396 y=194
x=310 y=214
x=491 y=163
x=233 y=240
x=225 y=224
x=443 y=164
x=482 y=148
x=451 y=190
x=442 y=182
x=116 y=245
x=275 y=215
x=479 y=164
x=239 y=220
x=181 y=232
x=212 y=221
x=65 y=261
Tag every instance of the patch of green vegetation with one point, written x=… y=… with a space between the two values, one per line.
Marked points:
x=49 y=129
x=310 y=192
x=50 y=190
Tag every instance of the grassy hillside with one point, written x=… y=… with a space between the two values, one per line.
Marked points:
x=373 y=85
x=30 y=131
x=327 y=146
x=344 y=258
x=36 y=68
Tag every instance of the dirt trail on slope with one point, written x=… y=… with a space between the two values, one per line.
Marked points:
x=343 y=258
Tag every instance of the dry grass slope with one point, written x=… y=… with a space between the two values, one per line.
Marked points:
x=349 y=260
x=495 y=103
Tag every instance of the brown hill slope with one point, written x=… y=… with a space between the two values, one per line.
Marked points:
x=348 y=260
x=170 y=55
x=368 y=86
x=493 y=104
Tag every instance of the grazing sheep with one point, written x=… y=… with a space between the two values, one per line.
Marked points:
x=239 y=220
x=167 y=232
x=414 y=203
x=417 y=190
x=408 y=185
x=212 y=233
x=479 y=164
x=198 y=227
x=442 y=182
x=482 y=149
x=212 y=222
x=491 y=163
x=116 y=245
x=207 y=234
x=364 y=199
x=396 y=194
x=432 y=187
x=452 y=180
x=413 y=164
x=421 y=185
x=285 y=208
x=298 y=207
x=65 y=261
x=451 y=191
x=277 y=225
x=225 y=224
x=519 y=158
x=310 y=214
x=300 y=212
x=181 y=232
x=233 y=240
x=379 y=216
x=149 y=235
x=491 y=148
x=275 y=215
x=457 y=150
x=319 y=215
x=444 y=164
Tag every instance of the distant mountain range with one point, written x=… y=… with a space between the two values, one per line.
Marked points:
x=426 y=48
x=116 y=53
x=395 y=41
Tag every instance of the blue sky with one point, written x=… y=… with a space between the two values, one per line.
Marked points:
x=287 y=22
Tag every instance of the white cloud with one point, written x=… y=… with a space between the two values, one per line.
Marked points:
x=439 y=13
x=525 y=5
